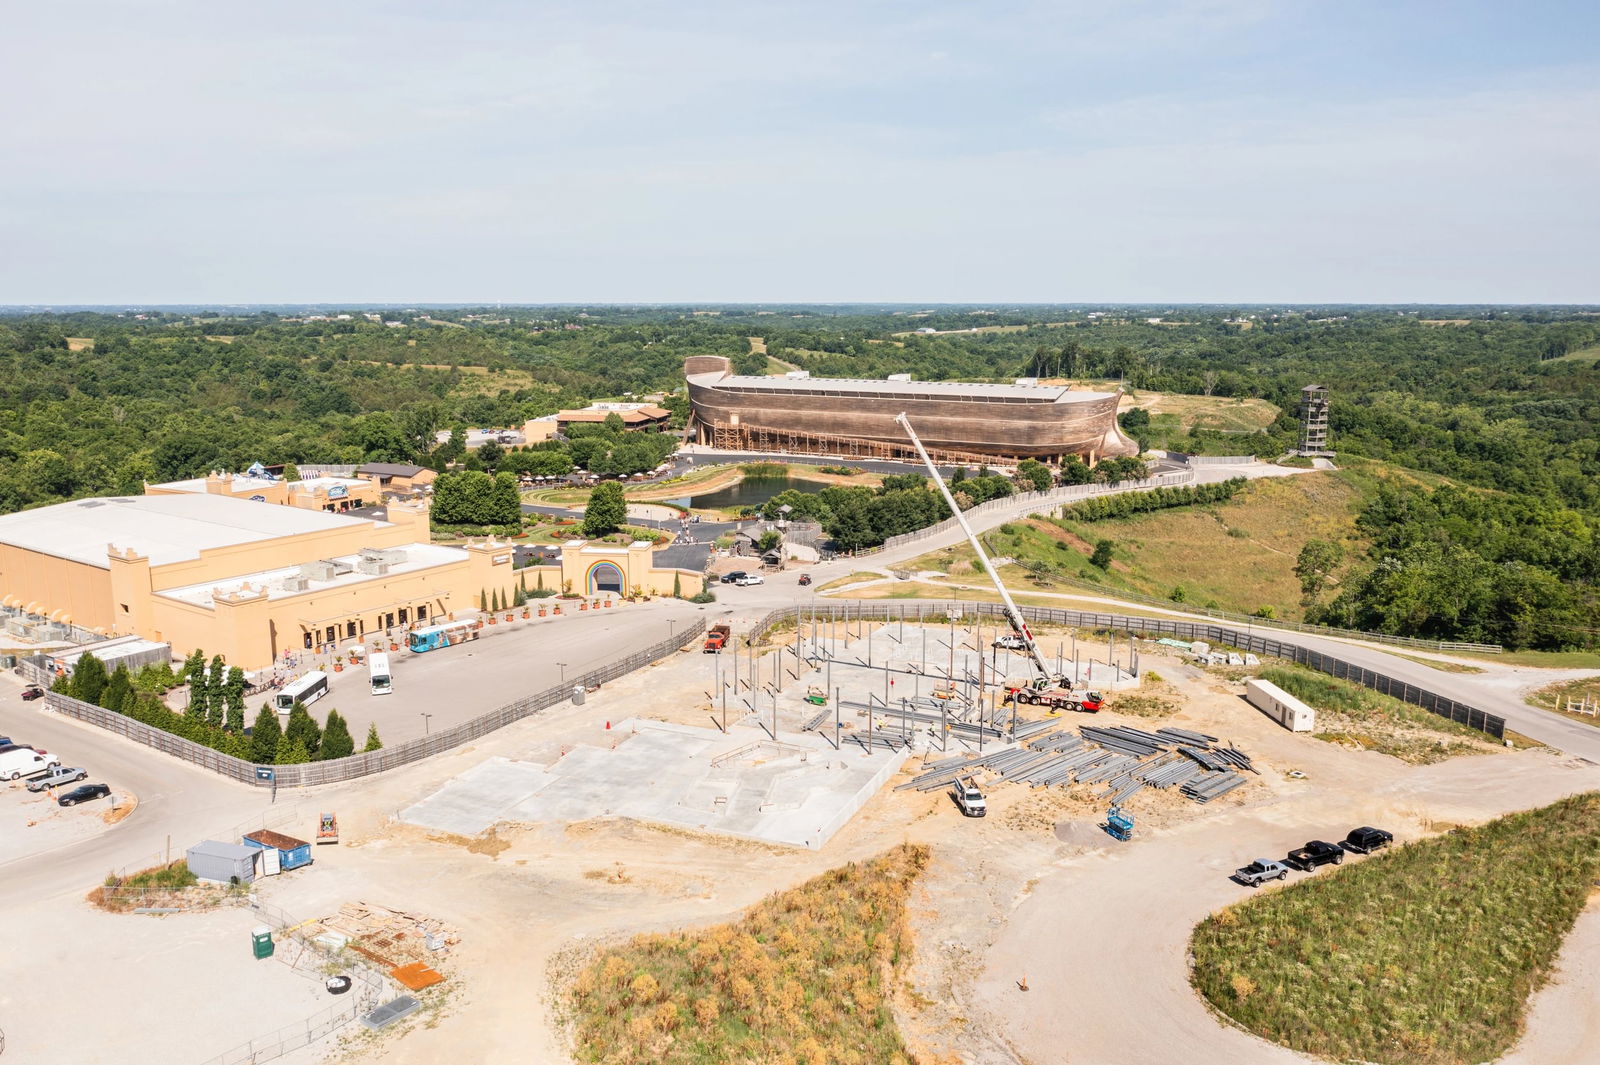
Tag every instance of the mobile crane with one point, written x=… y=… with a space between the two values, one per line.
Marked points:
x=1046 y=688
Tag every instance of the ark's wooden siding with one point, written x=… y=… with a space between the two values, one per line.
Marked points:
x=991 y=426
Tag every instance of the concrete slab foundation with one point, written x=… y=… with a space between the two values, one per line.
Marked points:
x=798 y=792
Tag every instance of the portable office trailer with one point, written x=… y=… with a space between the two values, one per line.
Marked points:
x=291 y=853
x=221 y=862
x=1279 y=705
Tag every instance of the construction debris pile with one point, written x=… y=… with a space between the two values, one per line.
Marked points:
x=402 y=944
x=1123 y=759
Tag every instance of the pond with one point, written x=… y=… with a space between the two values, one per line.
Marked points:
x=750 y=492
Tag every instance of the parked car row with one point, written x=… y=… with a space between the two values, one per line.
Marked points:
x=1315 y=854
x=44 y=772
x=743 y=579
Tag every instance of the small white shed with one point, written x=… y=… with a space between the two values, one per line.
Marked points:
x=1279 y=705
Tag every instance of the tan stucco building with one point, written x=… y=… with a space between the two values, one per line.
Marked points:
x=251 y=582
x=332 y=494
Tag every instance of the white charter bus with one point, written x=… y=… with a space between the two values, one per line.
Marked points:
x=378 y=674
x=308 y=689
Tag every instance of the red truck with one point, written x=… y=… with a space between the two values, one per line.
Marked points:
x=716 y=639
x=1057 y=699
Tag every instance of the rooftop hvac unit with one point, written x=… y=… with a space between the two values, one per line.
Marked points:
x=374 y=567
x=17 y=627
x=295 y=584
x=320 y=570
x=392 y=555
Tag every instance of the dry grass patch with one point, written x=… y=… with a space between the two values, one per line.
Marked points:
x=1424 y=955
x=854 y=578
x=1558 y=697
x=805 y=977
x=1350 y=714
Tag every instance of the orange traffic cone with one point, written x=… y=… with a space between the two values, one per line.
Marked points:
x=608 y=726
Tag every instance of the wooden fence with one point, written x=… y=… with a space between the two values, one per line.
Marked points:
x=309 y=774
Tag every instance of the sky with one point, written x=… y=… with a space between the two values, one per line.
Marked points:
x=156 y=151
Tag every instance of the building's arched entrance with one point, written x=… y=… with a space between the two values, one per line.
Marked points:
x=605 y=577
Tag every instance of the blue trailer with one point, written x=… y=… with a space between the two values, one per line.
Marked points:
x=292 y=853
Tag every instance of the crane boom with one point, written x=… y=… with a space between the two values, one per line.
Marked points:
x=1013 y=615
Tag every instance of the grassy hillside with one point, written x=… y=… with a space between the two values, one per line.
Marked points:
x=1238 y=555
x=1425 y=955
x=805 y=977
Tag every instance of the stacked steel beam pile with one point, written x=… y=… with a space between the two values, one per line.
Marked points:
x=1122 y=758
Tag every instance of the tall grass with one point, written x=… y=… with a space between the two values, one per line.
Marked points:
x=1424 y=955
x=1347 y=711
x=805 y=977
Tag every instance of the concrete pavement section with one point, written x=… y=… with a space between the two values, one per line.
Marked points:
x=797 y=792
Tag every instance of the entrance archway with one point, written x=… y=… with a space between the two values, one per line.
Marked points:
x=605 y=577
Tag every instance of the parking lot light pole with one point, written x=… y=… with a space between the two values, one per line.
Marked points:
x=426 y=729
x=563 y=666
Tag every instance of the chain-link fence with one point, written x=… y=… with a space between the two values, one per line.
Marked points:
x=1405 y=691
x=368 y=988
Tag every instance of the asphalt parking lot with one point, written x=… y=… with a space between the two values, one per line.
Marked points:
x=437 y=689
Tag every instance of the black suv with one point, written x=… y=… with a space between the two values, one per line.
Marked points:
x=1368 y=839
x=1315 y=853
x=732 y=578
x=83 y=793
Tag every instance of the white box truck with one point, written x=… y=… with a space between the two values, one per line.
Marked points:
x=25 y=762
x=1279 y=705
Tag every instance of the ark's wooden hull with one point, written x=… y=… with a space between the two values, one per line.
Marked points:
x=1046 y=428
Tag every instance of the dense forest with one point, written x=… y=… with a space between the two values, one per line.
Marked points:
x=1504 y=400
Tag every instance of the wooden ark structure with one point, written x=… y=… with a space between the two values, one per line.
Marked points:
x=959 y=422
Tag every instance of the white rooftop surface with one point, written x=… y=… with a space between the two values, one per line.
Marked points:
x=167 y=529
x=418 y=557
x=315 y=483
x=110 y=649
x=240 y=483
x=798 y=792
x=872 y=386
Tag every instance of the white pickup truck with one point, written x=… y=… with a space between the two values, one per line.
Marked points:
x=56 y=777
x=968 y=798
x=25 y=762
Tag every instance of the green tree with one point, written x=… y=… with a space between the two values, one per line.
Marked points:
x=336 y=739
x=1315 y=565
x=217 y=692
x=769 y=540
x=234 y=696
x=491 y=454
x=89 y=679
x=1037 y=474
x=1102 y=554
x=373 y=742
x=292 y=752
x=302 y=728
x=607 y=509
x=119 y=691
x=291 y=472
x=264 y=737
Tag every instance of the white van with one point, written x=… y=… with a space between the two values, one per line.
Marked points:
x=25 y=762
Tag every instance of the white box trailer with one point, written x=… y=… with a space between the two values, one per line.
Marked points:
x=1279 y=705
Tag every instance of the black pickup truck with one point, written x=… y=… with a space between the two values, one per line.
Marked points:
x=1368 y=839
x=1315 y=853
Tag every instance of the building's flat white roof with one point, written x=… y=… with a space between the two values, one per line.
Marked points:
x=418 y=557
x=909 y=389
x=312 y=484
x=108 y=650
x=240 y=483
x=167 y=529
